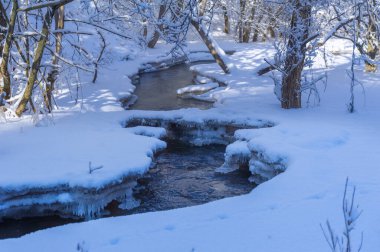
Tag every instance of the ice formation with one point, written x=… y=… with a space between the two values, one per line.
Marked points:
x=240 y=154
x=67 y=201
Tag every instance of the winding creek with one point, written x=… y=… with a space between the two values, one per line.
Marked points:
x=182 y=175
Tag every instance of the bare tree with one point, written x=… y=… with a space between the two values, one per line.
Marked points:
x=51 y=8
x=351 y=214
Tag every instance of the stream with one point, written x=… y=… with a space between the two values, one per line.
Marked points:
x=158 y=90
x=182 y=175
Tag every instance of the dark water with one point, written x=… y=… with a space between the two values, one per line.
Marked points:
x=11 y=228
x=185 y=176
x=158 y=90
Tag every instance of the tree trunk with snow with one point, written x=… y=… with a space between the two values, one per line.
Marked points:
x=256 y=31
x=372 y=41
x=59 y=18
x=295 y=56
x=242 y=21
x=38 y=53
x=248 y=26
x=156 y=35
x=3 y=23
x=211 y=45
x=226 y=20
x=7 y=51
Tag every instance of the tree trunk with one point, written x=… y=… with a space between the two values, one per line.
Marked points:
x=207 y=39
x=7 y=50
x=295 y=56
x=226 y=20
x=210 y=45
x=372 y=48
x=248 y=26
x=255 y=36
x=246 y=33
x=38 y=53
x=241 y=24
x=202 y=7
x=3 y=23
x=272 y=23
x=145 y=29
x=271 y=31
x=27 y=49
x=256 y=31
x=59 y=18
x=153 y=41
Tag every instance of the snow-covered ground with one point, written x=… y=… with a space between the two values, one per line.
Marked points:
x=321 y=145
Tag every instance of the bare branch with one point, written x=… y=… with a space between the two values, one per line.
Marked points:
x=69 y=62
x=98 y=26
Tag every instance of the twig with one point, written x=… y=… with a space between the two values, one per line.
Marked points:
x=96 y=63
x=92 y=169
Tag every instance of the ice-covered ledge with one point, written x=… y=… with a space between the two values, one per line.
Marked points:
x=195 y=126
x=262 y=164
x=66 y=201
x=31 y=185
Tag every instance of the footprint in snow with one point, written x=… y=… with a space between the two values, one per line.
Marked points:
x=169 y=227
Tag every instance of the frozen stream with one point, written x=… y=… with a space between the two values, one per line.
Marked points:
x=183 y=175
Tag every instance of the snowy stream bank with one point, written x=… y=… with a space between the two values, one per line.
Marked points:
x=79 y=202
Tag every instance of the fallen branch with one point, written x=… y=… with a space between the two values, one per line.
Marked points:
x=32 y=34
x=265 y=70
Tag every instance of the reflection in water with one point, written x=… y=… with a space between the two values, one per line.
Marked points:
x=158 y=90
x=185 y=176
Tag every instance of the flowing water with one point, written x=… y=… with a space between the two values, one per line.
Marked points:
x=185 y=176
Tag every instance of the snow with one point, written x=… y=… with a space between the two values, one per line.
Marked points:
x=320 y=146
x=67 y=155
x=147 y=131
x=197 y=88
x=201 y=80
x=236 y=154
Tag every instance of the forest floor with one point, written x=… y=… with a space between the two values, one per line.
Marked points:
x=322 y=144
